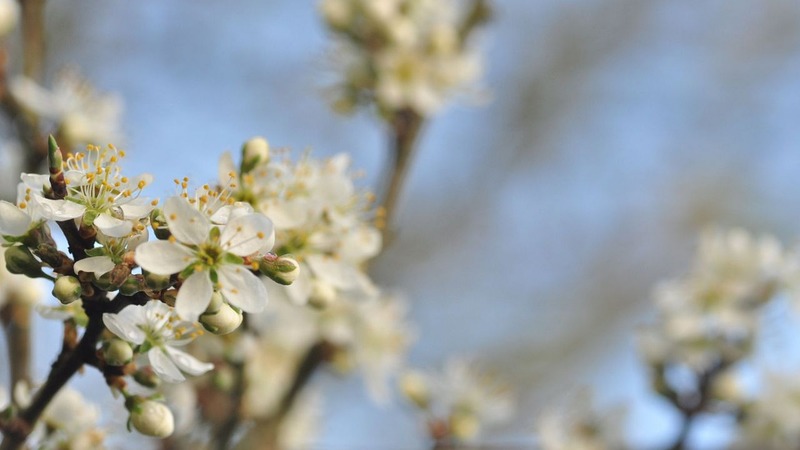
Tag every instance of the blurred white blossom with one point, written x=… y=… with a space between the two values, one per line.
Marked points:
x=401 y=54
x=576 y=425
x=712 y=315
x=83 y=115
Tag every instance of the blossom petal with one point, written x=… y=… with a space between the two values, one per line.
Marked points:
x=242 y=289
x=226 y=167
x=13 y=221
x=163 y=257
x=113 y=227
x=186 y=223
x=124 y=328
x=188 y=363
x=163 y=366
x=194 y=296
x=97 y=265
x=137 y=208
x=60 y=210
x=248 y=234
x=333 y=271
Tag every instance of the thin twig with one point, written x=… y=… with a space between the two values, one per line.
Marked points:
x=405 y=128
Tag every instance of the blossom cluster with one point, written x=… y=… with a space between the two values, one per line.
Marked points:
x=459 y=402
x=200 y=274
x=326 y=232
x=401 y=54
x=711 y=317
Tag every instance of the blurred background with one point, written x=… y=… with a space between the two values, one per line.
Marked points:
x=533 y=227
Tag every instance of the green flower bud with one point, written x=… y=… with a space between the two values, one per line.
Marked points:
x=223 y=321
x=152 y=418
x=67 y=289
x=224 y=379
x=20 y=261
x=146 y=377
x=283 y=270
x=254 y=152
x=159 y=224
x=117 y=352
x=155 y=281
x=131 y=286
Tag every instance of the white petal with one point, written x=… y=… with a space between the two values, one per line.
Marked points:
x=287 y=214
x=299 y=291
x=163 y=366
x=124 y=328
x=97 y=265
x=113 y=227
x=226 y=166
x=243 y=289
x=186 y=223
x=336 y=272
x=194 y=296
x=13 y=221
x=163 y=257
x=60 y=210
x=188 y=363
x=137 y=208
x=248 y=234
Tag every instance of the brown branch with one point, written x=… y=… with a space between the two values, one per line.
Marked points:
x=265 y=432
x=406 y=125
x=33 y=37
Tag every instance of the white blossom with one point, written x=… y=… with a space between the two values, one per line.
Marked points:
x=213 y=258
x=401 y=54
x=157 y=331
x=83 y=115
x=576 y=425
x=713 y=313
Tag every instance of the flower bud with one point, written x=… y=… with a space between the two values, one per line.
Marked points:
x=155 y=281
x=254 y=152
x=131 y=286
x=415 y=389
x=20 y=261
x=152 y=418
x=9 y=16
x=283 y=270
x=464 y=425
x=336 y=12
x=224 y=379
x=215 y=304
x=67 y=289
x=117 y=352
x=223 y=321
x=159 y=224
x=322 y=294
x=147 y=377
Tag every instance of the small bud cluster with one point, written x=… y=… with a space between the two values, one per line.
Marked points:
x=459 y=402
x=402 y=54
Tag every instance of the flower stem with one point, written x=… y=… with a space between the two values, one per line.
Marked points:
x=16 y=319
x=406 y=125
